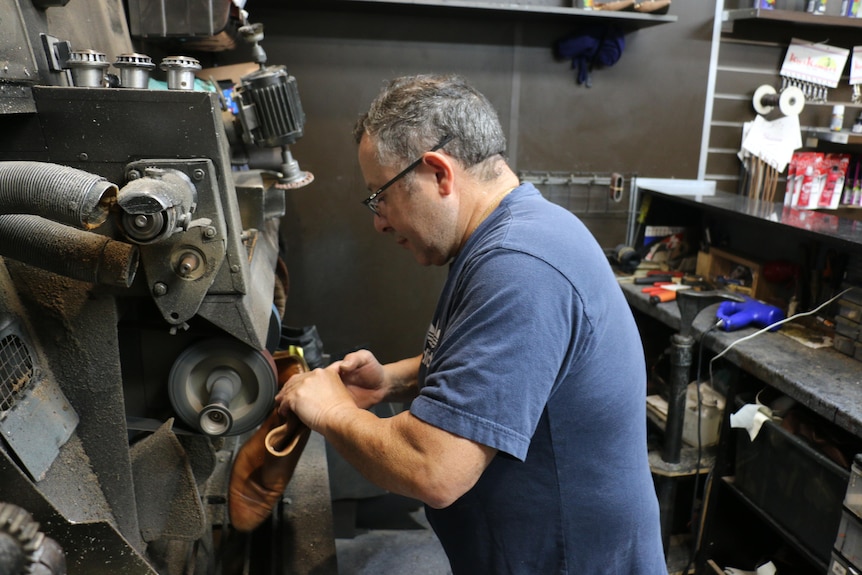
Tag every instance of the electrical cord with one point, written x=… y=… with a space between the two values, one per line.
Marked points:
x=696 y=525
x=769 y=327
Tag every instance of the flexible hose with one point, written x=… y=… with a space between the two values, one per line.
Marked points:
x=59 y=193
x=73 y=253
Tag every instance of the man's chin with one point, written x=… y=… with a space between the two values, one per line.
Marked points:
x=421 y=259
x=424 y=259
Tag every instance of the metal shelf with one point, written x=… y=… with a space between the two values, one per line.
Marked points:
x=842 y=137
x=802 y=547
x=627 y=19
x=790 y=16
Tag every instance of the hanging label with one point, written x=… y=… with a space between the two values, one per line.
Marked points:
x=773 y=142
x=856 y=66
x=815 y=63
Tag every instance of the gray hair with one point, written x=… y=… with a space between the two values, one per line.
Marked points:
x=413 y=113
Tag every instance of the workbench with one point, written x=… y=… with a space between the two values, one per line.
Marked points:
x=735 y=527
x=823 y=379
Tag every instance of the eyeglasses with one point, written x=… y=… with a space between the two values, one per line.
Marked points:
x=371 y=201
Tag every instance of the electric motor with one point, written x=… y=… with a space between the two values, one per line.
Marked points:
x=271 y=111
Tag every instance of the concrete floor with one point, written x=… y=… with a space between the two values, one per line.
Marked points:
x=389 y=535
x=386 y=535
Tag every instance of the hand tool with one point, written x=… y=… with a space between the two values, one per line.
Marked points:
x=662 y=297
x=651 y=279
x=736 y=315
x=666 y=293
x=656 y=287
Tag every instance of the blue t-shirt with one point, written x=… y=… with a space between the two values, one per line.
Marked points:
x=533 y=351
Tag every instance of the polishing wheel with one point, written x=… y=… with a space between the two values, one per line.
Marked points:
x=222 y=386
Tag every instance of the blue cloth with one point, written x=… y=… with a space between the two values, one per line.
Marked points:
x=593 y=46
x=533 y=351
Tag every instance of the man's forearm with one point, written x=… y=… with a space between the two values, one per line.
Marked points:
x=407 y=456
x=402 y=379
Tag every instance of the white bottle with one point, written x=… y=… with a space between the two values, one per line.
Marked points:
x=837 y=123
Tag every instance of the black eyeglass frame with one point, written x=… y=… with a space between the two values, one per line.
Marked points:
x=371 y=201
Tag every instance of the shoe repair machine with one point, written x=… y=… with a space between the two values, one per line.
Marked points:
x=141 y=288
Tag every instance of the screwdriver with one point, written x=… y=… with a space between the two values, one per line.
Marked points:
x=667 y=293
x=662 y=297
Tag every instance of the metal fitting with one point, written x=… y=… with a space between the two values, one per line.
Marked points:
x=181 y=72
x=88 y=68
x=134 y=70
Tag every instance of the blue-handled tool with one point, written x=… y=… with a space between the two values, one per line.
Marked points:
x=737 y=315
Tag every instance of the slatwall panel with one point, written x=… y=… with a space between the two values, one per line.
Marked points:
x=750 y=54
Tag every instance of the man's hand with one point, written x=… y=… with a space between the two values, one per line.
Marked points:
x=364 y=377
x=314 y=396
x=401 y=453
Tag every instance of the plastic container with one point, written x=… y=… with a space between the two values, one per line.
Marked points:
x=710 y=415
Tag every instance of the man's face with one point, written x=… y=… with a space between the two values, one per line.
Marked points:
x=417 y=218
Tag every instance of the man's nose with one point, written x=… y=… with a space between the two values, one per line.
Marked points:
x=381 y=224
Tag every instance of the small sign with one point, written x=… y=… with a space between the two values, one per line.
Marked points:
x=815 y=63
x=856 y=66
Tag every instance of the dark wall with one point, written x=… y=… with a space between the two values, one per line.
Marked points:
x=643 y=115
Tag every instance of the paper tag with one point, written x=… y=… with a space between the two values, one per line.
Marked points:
x=773 y=142
x=815 y=63
x=856 y=66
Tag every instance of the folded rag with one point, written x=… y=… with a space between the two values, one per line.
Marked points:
x=592 y=46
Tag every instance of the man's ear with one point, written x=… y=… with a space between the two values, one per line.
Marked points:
x=444 y=171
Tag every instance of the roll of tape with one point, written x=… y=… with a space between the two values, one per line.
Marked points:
x=764 y=99
x=791 y=101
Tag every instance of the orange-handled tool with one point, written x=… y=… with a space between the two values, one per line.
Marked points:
x=656 y=287
x=662 y=297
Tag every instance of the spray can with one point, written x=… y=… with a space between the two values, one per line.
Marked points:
x=837 y=123
x=807 y=182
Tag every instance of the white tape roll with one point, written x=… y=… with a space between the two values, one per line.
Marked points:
x=764 y=99
x=791 y=101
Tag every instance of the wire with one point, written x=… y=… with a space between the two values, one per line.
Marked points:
x=696 y=526
x=769 y=327
x=695 y=530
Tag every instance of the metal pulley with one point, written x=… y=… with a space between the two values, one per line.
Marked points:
x=156 y=204
x=222 y=386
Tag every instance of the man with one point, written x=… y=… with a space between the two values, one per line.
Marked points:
x=526 y=436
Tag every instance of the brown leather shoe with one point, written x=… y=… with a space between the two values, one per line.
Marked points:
x=261 y=472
